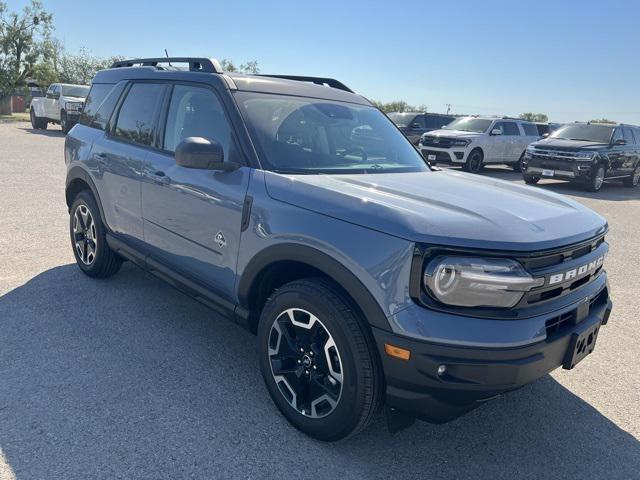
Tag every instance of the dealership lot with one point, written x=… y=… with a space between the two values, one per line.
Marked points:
x=127 y=377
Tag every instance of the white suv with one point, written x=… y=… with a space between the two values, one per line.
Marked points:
x=473 y=142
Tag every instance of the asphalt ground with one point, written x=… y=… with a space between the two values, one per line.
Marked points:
x=128 y=378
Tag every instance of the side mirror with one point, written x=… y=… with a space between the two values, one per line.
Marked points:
x=416 y=125
x=496 y=131
x=198 y=152
x=545 y=135
x=620 y=141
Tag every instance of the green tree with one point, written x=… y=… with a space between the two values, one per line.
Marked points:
x=247 y=67
x=22 y=35
x=534 y=117
x=80 y=68
x=398 y=106
x=603 y=120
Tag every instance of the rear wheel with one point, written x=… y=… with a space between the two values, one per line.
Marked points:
x=36 y=122
x=88 y=238
x=318 y=361
x=634 y=179
x=517 y=167
x=474 y=162
x=595 y=182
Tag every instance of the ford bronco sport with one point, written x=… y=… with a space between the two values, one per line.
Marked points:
x=299 y=210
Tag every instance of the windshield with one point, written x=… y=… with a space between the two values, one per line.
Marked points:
x=588 y=133
x=308 y=135
x=402 y=119
x=469 y=124
x=75 y=91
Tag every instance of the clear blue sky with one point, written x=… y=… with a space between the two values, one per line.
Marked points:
x=574 y=60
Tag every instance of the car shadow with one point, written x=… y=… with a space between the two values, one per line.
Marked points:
x=56 y=132
x=127 y=377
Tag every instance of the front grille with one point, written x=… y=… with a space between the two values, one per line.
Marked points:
x=557 y=325
x=440 y=156
x=539 y=265
x=438 y=142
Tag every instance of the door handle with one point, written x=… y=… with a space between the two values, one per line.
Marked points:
x=160 y=177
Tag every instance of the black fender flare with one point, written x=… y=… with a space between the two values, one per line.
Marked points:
x=335 y=270
x=79 y=173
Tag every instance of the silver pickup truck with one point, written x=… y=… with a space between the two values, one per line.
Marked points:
x=62 y=104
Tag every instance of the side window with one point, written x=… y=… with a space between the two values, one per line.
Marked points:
x=511 y=129
x=498 y=126
x=417 y=122
x=137 y=117
x=530 y=130
x=617 y=135
x=196 y=112
x=96 y=96
x=435 y=121
x=628 y=136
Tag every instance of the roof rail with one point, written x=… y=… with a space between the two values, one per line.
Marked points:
x=207 y=65
x=330 y=82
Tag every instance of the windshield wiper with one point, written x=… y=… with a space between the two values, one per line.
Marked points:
x=584 y=140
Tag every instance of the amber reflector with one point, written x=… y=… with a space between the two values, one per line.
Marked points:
x=397 y=352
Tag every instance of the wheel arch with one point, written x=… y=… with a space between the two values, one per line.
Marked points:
x=279 y=264
x=479 y=149
x=78 y=179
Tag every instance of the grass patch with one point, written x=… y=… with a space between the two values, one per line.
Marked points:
x=16 y=117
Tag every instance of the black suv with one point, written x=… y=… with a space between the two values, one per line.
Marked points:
x=586 y=153
x=414 y=124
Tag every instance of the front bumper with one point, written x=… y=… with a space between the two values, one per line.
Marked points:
x=475 y=374
x=448 y=156
x=552 y=168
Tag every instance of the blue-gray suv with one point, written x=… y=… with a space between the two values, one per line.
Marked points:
x=293 y=206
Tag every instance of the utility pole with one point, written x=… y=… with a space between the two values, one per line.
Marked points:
x=448 y=108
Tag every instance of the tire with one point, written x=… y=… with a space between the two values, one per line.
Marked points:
x=338 y=360
x=596 y=180
x=36 y=122
x=474 y=162
x=517 y=167
x=634 y=179
x=64 y=124
x=530 y=180
x=88 y=238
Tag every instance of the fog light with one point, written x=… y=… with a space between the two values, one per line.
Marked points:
x=442 y=369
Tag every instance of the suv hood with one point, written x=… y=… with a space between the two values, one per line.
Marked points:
x=563 y=144
x=443 y=207
x=454 y=133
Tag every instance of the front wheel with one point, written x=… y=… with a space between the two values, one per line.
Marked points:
x=64 y=122
x=318 y=361
x=474 y=162
x=595 y=182
x=634 y=179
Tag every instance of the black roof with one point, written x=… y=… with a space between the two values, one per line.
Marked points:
x=209 y=71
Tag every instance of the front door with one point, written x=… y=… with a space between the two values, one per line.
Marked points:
x=513 y=140
x=192 y=217
x=494 y=149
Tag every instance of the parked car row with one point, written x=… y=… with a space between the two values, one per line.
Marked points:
x=416 y=124
x=61 y=104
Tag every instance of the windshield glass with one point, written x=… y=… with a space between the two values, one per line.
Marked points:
x=469 y=124
x=75 y=91
x=308 y=135
x=402 y=119
x=581 y=131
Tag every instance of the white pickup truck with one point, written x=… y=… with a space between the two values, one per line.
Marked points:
x=62 y=104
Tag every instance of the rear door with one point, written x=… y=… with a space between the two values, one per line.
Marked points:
x=192 y=217
x=119 y=155
x=514 y=142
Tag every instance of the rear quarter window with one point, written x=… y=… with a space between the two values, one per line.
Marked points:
x=530 y=130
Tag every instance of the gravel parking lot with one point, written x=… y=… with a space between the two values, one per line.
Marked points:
x=128 y=378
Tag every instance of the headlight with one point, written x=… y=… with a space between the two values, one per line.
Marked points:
x=528 y=153
x=585 y=156
x=478 y=282
x=461 y=142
